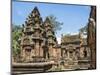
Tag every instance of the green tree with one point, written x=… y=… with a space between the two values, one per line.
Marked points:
x=16 y=34
x=83 y=30
x=56 y=24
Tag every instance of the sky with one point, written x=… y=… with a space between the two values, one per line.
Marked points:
x=73 y=16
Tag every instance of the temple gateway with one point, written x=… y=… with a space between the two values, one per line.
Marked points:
x=40 y=51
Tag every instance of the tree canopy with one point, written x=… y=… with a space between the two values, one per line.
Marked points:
x=55 y=23
x=83 y=30
x=16 y=34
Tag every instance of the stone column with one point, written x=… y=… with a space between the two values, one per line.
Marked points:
x=50 y=51
x=37 y=48
x=68 y=54
x=41 y=51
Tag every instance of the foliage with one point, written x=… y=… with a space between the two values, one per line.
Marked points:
x=56 y=24
x=83 y=30
x=16 y=34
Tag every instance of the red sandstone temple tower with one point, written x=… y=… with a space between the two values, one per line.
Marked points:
x=38 y=39
x=51 y=38
x=32 y=40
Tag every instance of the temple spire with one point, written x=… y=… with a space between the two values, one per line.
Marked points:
x=36 y=11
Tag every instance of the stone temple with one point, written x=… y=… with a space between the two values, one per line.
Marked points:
x=40 y=49
x=38 y=39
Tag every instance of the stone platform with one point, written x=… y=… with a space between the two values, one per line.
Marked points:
x=22 y=68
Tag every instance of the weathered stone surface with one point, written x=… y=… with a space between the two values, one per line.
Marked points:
x=92 y=36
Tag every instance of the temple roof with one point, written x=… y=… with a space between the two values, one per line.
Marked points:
x=47 y=20
x=70 y=38
x=36 y=10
